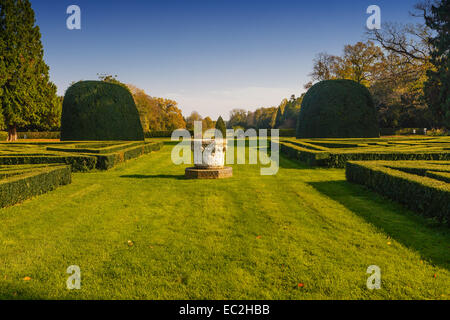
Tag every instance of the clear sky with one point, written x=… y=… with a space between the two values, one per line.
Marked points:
x=210 y=56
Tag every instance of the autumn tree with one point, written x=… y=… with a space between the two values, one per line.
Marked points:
x=194 y=116
x=26 y=94
x=238 y=118
x=157 y=114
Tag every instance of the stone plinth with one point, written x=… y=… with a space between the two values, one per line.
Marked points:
x=209 y=173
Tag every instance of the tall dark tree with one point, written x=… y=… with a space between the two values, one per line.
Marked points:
x=437 y=88
x=220 y=125
x=26 y=93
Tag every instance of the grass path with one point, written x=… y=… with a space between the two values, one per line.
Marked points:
x=248 y=237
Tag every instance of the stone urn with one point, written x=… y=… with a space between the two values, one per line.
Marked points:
x=212 y=160
x=213 y=152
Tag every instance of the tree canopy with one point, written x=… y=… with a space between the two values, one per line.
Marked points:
x=27 y=97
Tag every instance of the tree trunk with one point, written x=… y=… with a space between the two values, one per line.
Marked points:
x=12 y=133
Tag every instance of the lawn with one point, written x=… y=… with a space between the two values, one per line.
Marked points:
x=140 y=231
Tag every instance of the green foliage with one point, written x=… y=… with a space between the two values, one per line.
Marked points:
x=162 y=134
x=3 y=136
x=39 y=135
x=336 y=152
x=109 y=155
x=408 y=183
x=18 y=183
x=337 y=109
x=95 y=110
x=79 y=163
x=27 y=97
x=437 y=87
x=82 y=157
x=220 y=125
x=279 y=117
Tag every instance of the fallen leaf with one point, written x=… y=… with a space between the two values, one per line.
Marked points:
x=301 y=285
x=435 y=275
x=130 y=243
x=26 y=279
x=389 y=243
x=258 y=237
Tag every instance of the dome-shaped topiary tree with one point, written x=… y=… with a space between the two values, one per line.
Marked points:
x=338 y=109
x=97 y=110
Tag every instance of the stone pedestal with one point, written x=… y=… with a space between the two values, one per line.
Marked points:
x=212 y=162
x=208 y=173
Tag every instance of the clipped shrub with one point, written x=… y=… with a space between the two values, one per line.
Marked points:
x=335 y=153
x=39 y=135
x=337 y=109
x=423 y=194
x=24 y=183
x=3 y=136
x=96 y=110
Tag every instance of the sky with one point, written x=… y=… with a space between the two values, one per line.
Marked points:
x=210 y=56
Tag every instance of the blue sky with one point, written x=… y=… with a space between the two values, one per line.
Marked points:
x=210 y=56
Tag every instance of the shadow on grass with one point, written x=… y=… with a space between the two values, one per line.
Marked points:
x=412 y=230
x=156 y=176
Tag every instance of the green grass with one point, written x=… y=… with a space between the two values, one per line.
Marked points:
x=248 y=237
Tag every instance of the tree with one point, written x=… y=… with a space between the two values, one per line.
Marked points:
x=26 y=92
x=399 y=92
x=360 y=62
x=207 y=123
x=278 y=117
x=324 y=66
x=437 y=87
x=220 y=125
x=238 y=118
x=194 y=116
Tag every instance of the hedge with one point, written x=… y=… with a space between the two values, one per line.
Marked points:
x=335 y=153
x=108 y=161
x=423 y=194
x=81 y=156
x=79 y=163
x=99 y=111
x=337 y=109
x=39 y=135
x=35 y=181
x=401 y=131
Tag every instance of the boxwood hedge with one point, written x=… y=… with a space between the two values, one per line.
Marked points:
x=23 y=182
x=98 y=111
x=419 y=192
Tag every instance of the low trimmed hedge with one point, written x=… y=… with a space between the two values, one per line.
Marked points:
x=39 y=135
x=79 y=163
x=81 y=156
x=19 y=186
x=401 y=131
x=108 y=161
x=335 y=153
x=3 y=136
x=423 y=194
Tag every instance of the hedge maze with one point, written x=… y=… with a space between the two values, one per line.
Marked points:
x=30 y=169
x=422 y=186
x=414 y=171
x=334 y=153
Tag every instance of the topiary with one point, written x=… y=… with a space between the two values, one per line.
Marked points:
x=220 y=125
x=338 y=109
x=96 y=110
